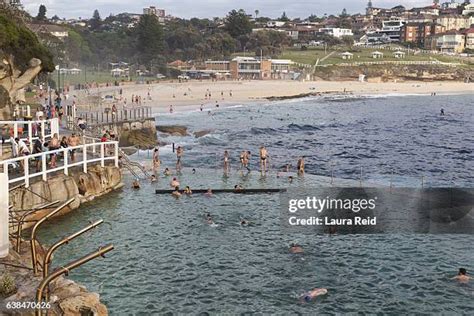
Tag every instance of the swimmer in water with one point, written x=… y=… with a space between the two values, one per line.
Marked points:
x=295 y=248
x=244 y=222
x=167 y=172
x=309 y=296
x=208 y=193
x=238 y=188
x=194 y=171
x=153 y=178
x=174 y=183
x=188 y=191
x=462 y=276
x=290 y=179
x=209 y=219
x=176 y=192
x=441 y=112
x=136 y=184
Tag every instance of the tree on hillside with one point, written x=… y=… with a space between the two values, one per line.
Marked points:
x=284 y=18
x=149 y=36
x=344 y=13
x=238 y=23
x=256 y=14
x=41 y=13
x=96 y=20
x=19 y=42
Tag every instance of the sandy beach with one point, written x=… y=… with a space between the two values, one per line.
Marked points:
x=190 y=95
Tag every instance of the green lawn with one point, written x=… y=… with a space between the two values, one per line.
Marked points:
x=310 y=56
x=89 y=76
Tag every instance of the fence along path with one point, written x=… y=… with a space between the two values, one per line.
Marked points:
x=22 y=170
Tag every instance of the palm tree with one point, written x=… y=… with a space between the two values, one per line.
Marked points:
x=256 y=14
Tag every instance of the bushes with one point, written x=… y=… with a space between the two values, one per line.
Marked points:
x=7 y=285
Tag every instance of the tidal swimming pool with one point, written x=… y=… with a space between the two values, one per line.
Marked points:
x=169 y=260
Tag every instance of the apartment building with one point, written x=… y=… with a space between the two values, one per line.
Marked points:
x=450 y=42
x=418 y=33
x=455 y=22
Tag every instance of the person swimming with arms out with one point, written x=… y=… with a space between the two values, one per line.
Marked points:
x=312 y=294
x=153 y=178
x=462 y=276
x=167 y=172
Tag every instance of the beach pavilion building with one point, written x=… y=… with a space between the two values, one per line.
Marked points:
x=347 y=55
x=399 y=54
x=377 y=55
x=252 y=68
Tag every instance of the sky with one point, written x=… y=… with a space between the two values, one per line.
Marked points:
x=210 y=8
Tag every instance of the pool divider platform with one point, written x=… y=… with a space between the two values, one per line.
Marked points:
x=242 y=191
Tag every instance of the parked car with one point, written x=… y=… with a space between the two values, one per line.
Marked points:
x=183 y=77
x=160 y=76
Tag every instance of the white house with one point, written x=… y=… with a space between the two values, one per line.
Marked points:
x=336 y=32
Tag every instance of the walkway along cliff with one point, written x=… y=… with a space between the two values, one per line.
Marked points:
x=33 y=190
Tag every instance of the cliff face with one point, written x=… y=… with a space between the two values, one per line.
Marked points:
x=396 y=72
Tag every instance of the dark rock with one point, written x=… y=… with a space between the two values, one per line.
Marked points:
x=202 y=133
x=175 y=130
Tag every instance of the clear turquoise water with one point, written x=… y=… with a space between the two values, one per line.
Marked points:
x=168 y=260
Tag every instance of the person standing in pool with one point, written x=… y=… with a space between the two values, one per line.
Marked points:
x=242 y=159
x=441 y=112
x=263 y=159
x=300 y=166
x=226 y=162
x=179 y=156
x=156 y=159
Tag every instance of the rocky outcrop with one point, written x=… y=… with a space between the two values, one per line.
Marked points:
x=140 y=133
x=383 y=73
x=66 y=297
x=174 y=130
x=202 y=133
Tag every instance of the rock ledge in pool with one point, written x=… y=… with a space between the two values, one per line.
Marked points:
x=175 y=130
x=202 y=133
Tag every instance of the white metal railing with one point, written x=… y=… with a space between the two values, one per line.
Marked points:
x=91 y=154
x=31 y=130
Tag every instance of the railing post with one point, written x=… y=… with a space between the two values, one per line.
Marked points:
x=15 y=130
x=30 y=136
x=43 y=136
x=116 y=148
x=93 y=147
x=26 y=171
x=84 y=158
x=66 y=162
x=102 y=154
x=44 y=167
